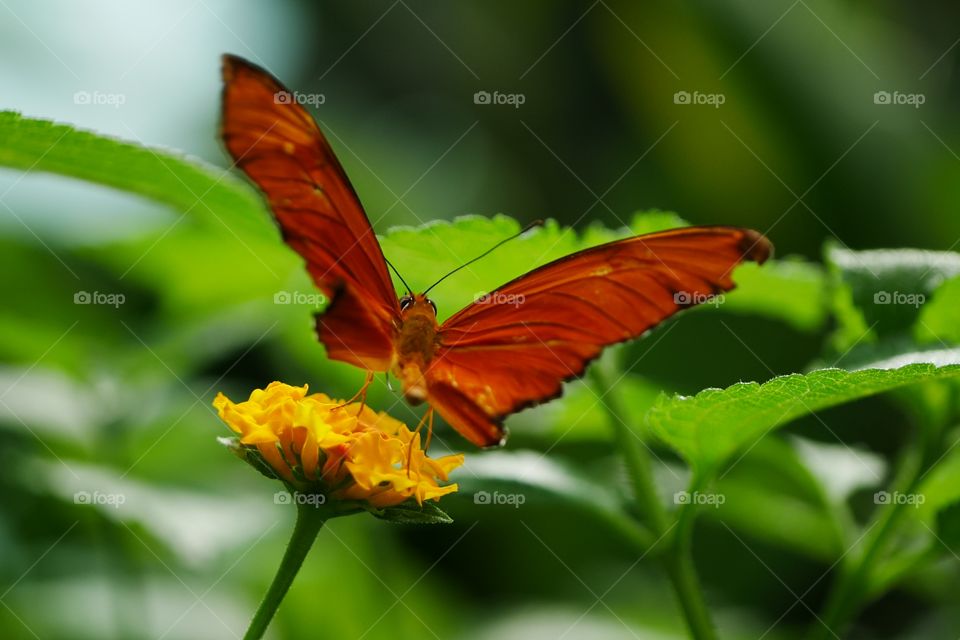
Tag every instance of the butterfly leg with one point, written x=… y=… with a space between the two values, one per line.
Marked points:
x=362 y=393
x=426 y=446
x=428 y=420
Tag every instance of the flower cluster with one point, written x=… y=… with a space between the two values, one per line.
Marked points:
x=345 y=451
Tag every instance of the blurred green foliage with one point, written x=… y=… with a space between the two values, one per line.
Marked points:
x=116 y=399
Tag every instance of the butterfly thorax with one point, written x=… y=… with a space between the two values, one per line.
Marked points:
x=415 y=345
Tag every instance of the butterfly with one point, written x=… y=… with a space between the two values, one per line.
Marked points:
x=496 y=356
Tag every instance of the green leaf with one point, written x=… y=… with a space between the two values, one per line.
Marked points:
x=649 y=222
x=885 y=288
x=941 y=484
x=789 y=290
x=423 y=254
x=534 y=477
x=930 y=405
x=579 y=417
x=249 y=454
x=535 y=473
x=939 y=320
x=931 y=530
x=781 y=520
x=948 y=528
x=709 y=428
x=225 y=267
x=840 y=469
x=936 y=357
x=412 y=513
x=186 y=184
x=773 y=496
x=188 y=520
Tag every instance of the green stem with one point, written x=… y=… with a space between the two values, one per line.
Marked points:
x=678 y=558
x=684 y=574
x=894 y=571
x=640 y=470
x=310 y=519
x=846 y=597
x=853 y=584
x=634 y=533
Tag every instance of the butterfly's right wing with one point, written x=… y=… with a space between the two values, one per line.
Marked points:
x=516 y=346
x=281 y=148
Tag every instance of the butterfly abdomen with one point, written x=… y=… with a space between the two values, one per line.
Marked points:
x=415 y=346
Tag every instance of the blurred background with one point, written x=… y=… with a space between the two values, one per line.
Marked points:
x=806 y=119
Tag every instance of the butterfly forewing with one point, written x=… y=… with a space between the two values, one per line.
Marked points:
x=279 y=146
x=517 y=345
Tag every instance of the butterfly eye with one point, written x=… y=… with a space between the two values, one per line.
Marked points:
x=433 y=305
x=406 y=302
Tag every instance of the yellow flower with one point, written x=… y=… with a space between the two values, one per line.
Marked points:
x=346 y=452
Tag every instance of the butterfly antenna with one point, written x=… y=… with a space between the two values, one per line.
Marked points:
x=390 y=264
x=535 y=223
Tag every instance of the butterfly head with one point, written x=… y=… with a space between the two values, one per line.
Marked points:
x=417 y=303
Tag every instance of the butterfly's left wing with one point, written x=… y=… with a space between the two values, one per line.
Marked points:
x=279 y=146
x=516 y=346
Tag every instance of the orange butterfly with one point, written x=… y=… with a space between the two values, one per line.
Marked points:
x=488 y=360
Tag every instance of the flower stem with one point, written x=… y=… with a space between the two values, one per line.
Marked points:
x=678 y=558
x=310 y=519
